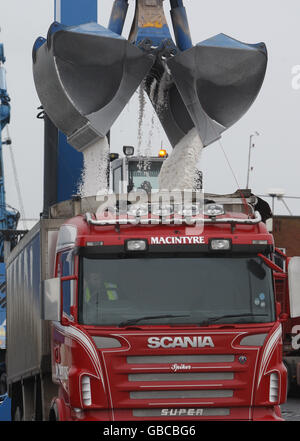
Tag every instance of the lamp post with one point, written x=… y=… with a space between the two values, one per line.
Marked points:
x=275 y=193
x=251 y=145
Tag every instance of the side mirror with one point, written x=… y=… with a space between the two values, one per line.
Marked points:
x=294 y=286
x=51 y=300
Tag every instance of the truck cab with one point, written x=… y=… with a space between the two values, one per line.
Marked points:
x=131 y=173
x=153 y=321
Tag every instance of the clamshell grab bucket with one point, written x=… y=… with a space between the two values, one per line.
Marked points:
x=209 y=87
x=84 y=76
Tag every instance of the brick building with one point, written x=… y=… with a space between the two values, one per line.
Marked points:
x=286 y=231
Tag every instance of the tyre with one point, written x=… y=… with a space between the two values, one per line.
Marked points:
x=3 y=384
x=18 y=414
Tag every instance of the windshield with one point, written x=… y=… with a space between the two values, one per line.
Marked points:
x=175 y=290
x=144 y=174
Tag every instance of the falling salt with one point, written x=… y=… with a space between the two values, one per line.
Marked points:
x=179 y=171
x=152 y=90
x=161 y=96
x=96 y=162
x=142 y=105
x=145 y=161
x=157 y=93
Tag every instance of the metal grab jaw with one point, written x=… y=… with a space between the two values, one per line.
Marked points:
x=85 y=75
x=209 y=87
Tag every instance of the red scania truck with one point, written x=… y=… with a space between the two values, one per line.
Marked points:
x=148 y=321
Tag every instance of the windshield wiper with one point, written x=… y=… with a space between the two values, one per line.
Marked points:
x=216 y=319
x=147 y=317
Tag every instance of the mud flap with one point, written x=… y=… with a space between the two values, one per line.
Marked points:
x=84 y=76
x=209 y=87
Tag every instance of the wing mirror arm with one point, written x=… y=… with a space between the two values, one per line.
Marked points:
x=271 y=264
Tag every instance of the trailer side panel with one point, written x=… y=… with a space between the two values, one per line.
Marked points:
x=23 y=306
x=28 y=337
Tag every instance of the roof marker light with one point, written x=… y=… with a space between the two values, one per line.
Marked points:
x=113 y=156
x=220 y=244
x=136 y=245
x=163 y=153
x=94 y=244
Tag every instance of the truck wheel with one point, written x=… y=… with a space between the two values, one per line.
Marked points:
x=289 y=379
x=3 y=384
x=18 y=415
x=53 y=415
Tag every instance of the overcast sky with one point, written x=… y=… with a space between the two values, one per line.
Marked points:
x=275 y=114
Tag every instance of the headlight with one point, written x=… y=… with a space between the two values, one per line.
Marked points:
x=188 y=210
x=138 y=210
x=128 y=150
x=165 y=210
x=214 y=210
x=274 y=388
x=86 y=390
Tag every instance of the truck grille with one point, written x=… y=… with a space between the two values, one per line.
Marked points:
x=187 y=384
x=160 y=359
x=190 y=376
x=143 y=395
x=212 y=412
x=183 y=383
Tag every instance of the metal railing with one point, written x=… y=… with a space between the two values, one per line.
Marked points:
x=173 y=220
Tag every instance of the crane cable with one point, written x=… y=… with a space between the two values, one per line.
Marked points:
x=17 y=183
x=218 y=139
